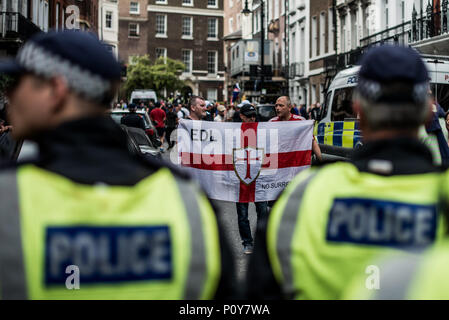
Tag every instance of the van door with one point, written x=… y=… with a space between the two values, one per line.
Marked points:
x=339 y=133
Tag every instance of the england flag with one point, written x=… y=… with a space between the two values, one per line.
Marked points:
x=244 y=162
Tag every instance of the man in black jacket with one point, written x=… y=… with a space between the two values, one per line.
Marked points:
x=132 y=119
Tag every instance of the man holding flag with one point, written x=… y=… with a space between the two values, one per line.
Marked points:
x=248 y=114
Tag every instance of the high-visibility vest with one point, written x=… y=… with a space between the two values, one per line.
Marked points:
x=413 y=276
x=113 y=242
x=330 y=222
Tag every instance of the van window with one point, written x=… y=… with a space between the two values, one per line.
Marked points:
x=342 y=105
x=442 y=93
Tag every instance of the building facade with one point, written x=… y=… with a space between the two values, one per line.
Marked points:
x=187 y=30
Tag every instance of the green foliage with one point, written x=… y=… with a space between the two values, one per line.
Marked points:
x=163 y=73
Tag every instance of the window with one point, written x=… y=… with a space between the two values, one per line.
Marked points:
x=63 y=18
x=57 y=16
x=187 y=26
x=187 y=2
x=212 y=28
x=133 y=30
x=108 y=20
x=231 y=3
x=313 y=98
x=342 y=105
x=161 y=52
x=161 y=1
x=161 y=25
x=212 y=62
x=212 y=94
x=314 y=37
x=322 y=32
x=134 y=8
x=212 y=3
x=330 y=33
x=187 y=60
x=239 y=21
x=230 y=25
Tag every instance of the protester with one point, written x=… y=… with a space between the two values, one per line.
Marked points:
x=283 y=107
x=221 y=116
x=171 y=123
x=229 y=112
x=132 y=119
x=248 y=114
x=197 y=108
x=158 y=116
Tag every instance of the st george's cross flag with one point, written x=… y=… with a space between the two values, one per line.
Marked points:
x=244 y=162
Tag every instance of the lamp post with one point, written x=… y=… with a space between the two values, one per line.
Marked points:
x=246 y=12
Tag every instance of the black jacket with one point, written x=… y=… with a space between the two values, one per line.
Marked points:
x=133 y=120
x=407 y=156
x=95 y=150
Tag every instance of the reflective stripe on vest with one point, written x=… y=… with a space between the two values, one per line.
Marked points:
x=285 y=232
x=12 y=270
x=198 y=265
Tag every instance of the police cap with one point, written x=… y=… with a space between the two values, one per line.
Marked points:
x=392 y=73
x=89 y=68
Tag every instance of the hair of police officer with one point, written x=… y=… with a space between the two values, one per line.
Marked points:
x=193 y=101
x=394 y=115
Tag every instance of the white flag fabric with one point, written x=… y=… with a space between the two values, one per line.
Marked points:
x=244 y=162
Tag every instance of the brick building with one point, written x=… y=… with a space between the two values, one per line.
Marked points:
x=322 y=45
x=187 y=30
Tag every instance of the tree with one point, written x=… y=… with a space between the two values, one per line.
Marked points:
x=163 y=73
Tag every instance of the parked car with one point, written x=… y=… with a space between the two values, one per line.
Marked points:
x=150 y=130
x=265 y=112
x=139 y=143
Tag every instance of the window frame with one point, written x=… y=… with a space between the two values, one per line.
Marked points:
x=138 y=7
x=190 y=60
x=215 y=37
x=215 y=6
x=161 y=35
x=215 y=62
x=187 y=4
x=137 y=35
x=185 y=36
x=106 y=20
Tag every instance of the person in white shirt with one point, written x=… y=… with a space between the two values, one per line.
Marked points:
x=220 y=117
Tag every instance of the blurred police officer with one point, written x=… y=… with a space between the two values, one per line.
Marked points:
x=88 y=214
x=331 y=221
x=132 y=119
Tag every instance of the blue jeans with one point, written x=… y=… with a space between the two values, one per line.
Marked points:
x=242 y=214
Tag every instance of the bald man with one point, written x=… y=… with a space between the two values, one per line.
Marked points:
x=283 y=107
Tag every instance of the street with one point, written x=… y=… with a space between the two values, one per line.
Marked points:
x=228 y=215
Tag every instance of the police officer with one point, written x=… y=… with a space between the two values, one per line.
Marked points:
x=132 y=119
x=86 y=214
x=330 y=221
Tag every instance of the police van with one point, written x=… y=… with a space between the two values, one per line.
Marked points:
x=338 y=132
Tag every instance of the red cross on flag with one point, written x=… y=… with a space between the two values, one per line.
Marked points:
x=244 y=162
